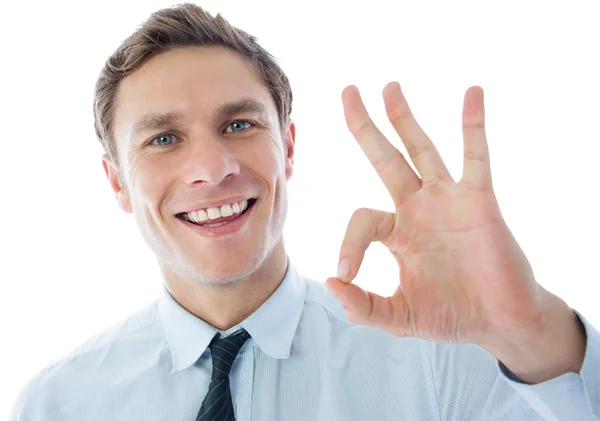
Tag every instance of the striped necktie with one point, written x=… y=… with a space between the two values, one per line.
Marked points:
x=217 y=404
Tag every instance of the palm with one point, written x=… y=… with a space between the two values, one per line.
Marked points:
x=462 y=274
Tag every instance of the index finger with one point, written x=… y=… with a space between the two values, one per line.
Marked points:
x=390 y=164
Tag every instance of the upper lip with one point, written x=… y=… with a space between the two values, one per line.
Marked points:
x=216 y=203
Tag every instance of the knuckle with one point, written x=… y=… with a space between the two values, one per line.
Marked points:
x=360 y=214
x=472 y=155
x=398 y=115
x=415 y=150
x=382 y=163
x=476 y=125
x=359 y=127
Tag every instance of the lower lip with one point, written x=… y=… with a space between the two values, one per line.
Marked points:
x=222 y=230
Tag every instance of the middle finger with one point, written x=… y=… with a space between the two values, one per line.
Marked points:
x=391 y=166
x=420 y=148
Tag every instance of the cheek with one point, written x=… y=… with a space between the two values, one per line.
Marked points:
x=268 y=161
x=281 y=196
x=148 y=184
x=278 y=186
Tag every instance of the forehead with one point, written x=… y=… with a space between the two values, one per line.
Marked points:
x=192 y=80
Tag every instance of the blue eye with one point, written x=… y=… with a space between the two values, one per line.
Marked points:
x=161 y=139
x=238 y=124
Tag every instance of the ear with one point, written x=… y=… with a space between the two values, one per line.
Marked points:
x=290 y=142
x=114 y=178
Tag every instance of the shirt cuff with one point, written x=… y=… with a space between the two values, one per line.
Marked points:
x=570 y=396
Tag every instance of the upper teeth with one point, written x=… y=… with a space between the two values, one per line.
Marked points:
x=214 y=213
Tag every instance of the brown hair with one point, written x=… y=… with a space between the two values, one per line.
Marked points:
x=180 y=26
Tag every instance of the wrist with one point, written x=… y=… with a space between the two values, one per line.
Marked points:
x=555 y=348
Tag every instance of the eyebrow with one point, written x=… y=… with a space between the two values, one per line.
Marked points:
x=155 y=121
x=245 y=105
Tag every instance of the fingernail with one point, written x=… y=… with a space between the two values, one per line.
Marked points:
x=343 y=269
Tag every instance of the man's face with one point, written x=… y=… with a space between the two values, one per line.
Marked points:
x=196 y=131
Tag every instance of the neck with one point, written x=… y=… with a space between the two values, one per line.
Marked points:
x=224 y=306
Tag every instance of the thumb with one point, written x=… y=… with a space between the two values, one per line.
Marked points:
x=365 y=226
x=363 y=307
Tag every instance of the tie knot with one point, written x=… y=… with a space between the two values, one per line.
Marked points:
x=224 y=351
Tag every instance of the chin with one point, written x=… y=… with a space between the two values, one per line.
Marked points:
x=227 y=268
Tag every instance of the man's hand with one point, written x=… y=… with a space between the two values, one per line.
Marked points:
x=463 y=276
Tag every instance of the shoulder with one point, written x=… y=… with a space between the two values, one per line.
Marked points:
x=76 y=374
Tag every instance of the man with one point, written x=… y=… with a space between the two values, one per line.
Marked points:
x=195 y=120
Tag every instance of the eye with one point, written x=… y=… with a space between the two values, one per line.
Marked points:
x=163 y=139
x=239 y=126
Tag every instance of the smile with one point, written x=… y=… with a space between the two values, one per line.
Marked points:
x=212 y=222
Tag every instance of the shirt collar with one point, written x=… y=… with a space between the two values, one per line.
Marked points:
x=272 y=326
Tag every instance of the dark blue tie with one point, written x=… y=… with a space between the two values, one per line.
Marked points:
x=217 y=404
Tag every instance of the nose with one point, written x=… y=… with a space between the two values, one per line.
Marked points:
x=209 y=160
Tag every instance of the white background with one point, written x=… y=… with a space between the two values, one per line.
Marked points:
x=72 y=263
